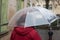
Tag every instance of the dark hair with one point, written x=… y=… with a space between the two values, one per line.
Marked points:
x=21 y=19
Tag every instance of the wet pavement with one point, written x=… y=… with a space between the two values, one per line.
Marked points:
x=6 y=37
x=43 y=34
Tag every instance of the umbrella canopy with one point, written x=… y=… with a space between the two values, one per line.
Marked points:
x=32 y=16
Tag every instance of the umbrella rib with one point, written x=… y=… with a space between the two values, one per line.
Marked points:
x=42 y=14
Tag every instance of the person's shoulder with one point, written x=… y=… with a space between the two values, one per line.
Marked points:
x=33 y=32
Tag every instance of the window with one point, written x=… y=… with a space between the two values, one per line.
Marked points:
x=58 y=21
x=4 y=7
x=20 y=4
x=50 y=6
x=4 y=11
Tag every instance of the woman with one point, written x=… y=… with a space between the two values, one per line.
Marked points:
x=21 y=33
x=29 y=33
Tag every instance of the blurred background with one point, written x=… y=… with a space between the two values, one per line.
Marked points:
x=9 y=7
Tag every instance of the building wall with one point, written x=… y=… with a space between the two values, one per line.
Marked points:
x=11 y=8
x=53 y=3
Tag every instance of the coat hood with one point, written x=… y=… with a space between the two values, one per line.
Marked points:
x=23 y=31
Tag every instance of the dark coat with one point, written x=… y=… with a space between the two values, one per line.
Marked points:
x=20 y=33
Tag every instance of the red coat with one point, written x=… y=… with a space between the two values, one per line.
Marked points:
x=24 y=34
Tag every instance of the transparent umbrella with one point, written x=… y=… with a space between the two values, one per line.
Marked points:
x=32 y=16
